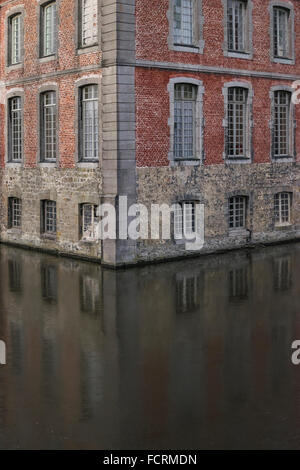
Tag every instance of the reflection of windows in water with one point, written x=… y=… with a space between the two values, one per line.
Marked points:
x=283 y=274
x=14 y=272
x=49 y=283
x=89 y=294
x=238 y=283
x=187 y=294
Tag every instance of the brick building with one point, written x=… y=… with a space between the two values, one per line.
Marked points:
x=168 y=101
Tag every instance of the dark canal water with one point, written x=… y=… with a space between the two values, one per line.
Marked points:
x=185 y=355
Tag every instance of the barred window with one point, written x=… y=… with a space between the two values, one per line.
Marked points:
x=88 y=22
x=89 y=123
x=49 y=217
x=48 y=126
x=184 y=22
x=14 y=212
x=185 y=220
x=88 y=214
x=283 y=206
x=185 y=121
x=237 y=212
x=48 y=29
x=282 y=124
x=15 y=129
x=281 y=34
x=15 y=39
x=236 y=25
x=237 y=122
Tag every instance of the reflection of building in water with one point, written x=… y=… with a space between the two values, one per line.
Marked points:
x=187 y=293
x=49 y=282
x=283 y=273
x=89 y=294
x=238 y=283
x=14 y=273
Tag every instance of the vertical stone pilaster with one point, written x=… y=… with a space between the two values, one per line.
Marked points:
x=118 y=117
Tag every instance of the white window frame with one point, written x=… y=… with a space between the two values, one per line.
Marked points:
x=186 y=221
x=247 y=52
x=82 y=14
x=292 y=125
x=88 y=230
x=15 y=39
x=15 y=134
x=235 y=202
x=83 y=124
x=280 y=200
x=49 y=29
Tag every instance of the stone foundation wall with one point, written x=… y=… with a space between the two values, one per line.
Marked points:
x=69 y=188
x=213 y=185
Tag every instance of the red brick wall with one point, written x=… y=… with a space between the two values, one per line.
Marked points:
x=33 y=69
x=152 y=97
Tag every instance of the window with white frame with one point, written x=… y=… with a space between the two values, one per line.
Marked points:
x=48 y=123
x=283 y=208
x=89 y=220
x=15 y=129
x=237 y=30
x=237 y=212
x=238 y=122
x=49 y=217
x=14 y=212
x=89 y=123
x=185 y=121
x=185 y=220
x=281 y=32
x=282 y=124
x=48 y=29
x=183 y=26
x=15 y=41
x=88 y=16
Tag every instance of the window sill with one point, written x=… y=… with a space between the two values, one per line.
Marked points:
x=239 y=55
x=88 y=241
x=238 y=232
x=14 y=164
x=91 y=164
x=287 y=159
x=233 y=160
x=47 y=164
x=14 y=230
x=186 y=161
x=48 y=236
x=47 y=58
x=285 y=61
x=12 y=67
x=87 y=49
x=285 y=226
x=188 y=48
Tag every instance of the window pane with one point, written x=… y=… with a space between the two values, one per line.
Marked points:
x=50 y=216
x=237 y=114
x=89 y=15
x=49 y=126
x=16 y=128
x=184 y=121
x=281 y=123
x=16 y=208
x=282 y=208
x=183 y=22
x=236 y=25
x=15 y=39
x=49 y=29
x=281 y=32
x=237 y=212
x=90 y=122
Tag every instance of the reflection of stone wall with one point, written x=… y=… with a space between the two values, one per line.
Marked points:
x=69 y=188
x=213 y=185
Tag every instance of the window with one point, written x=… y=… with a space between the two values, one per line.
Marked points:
x=238 y=283
x=185 y=220
x=236 y=25
x=283 y=205
x=15 y=275
x=184 y=121
x=14 y=31
x=282 y=125
x=283 y=274
x=187 y=294
x=48 y=122
x=88 y=21
x=237 y=115
x=89 y=123
x=15 y=129
x=237 y=212
x=49 y=283
x=48 y=29
x=281 y=32
x=49 y=217
x=89 y=219
x=89 y=294
x=183 y=22
x=14 y=212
